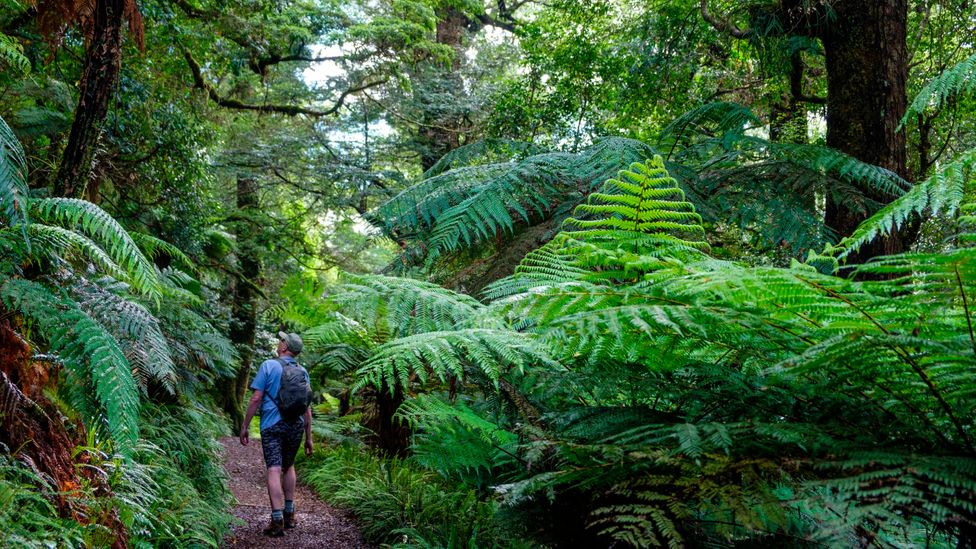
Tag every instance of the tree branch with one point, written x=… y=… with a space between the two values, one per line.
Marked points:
x=722 y=25
x=290 y=110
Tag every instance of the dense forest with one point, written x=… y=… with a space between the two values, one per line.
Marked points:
x=569 y=273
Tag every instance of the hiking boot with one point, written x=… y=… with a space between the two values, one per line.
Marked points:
x=290 y=521
x=276 y=529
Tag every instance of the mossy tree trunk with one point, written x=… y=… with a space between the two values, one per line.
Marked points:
x=243 y=325
x=867 y=71
x=95 y=91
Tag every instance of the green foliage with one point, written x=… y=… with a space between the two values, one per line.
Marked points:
x=91 y=356
x=953 y=82
x=12 y=55
x=75 y=214
x=28 y=516
x=448 y=354
x=14 y=196
x=470 y=205
x=398 y=502
x=942 y=193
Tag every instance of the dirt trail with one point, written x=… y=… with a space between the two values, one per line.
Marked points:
x=319 y=525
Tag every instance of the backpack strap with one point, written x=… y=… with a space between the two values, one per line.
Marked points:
x=284 y=364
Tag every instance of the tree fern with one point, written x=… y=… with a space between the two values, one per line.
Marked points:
x=640 y=213
x=87 y=350
x=468 y=206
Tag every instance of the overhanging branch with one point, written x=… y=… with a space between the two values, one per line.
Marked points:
x=722 y=25
x=291 y=110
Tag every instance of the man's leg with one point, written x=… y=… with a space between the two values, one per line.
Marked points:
x=289 y=487
x=271 y=444
x=275 y=493
x=291 y=441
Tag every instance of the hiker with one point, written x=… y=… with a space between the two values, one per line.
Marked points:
x=282 y=389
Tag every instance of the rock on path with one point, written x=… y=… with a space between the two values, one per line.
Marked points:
x=319 y=525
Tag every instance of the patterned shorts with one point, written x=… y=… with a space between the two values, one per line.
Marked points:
x=280 y=443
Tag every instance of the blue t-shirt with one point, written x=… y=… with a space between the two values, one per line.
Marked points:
x=269 y=381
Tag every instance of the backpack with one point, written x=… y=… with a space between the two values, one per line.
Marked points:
x=294 y=393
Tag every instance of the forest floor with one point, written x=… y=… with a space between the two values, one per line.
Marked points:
x=319 y=525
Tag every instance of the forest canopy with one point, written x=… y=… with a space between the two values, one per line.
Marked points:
x=601 y=273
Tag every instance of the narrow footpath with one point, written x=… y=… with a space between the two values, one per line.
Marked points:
x=319 y=525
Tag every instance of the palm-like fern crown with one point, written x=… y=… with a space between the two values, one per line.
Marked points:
x=644 y=199
x=636 y=223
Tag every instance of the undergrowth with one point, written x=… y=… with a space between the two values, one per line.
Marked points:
x=403 y=504
x=172 y=493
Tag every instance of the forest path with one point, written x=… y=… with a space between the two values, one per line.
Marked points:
x=319 y=525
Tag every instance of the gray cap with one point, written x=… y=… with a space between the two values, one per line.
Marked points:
x=292 y=341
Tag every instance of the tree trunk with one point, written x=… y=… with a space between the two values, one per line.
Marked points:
x=867 y=70
x=439 y=135
x=243 y=324
x=101 y=71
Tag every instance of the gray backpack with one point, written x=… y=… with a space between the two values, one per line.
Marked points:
x=294 y=393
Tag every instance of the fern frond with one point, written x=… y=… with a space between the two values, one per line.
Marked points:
x=485 y=151
x=135 y=328
x=391 y=307
x=14 y=195
x=718 y=118
x=619 y=234
x=942 y=192
x=469 y=206
x=75 y=214
x=449 y=354
x=152 y=247
x=955 y=81
x=12 y=55
x=86 y=349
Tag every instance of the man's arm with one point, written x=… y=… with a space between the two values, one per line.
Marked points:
x=252 y=408
x=308 y=431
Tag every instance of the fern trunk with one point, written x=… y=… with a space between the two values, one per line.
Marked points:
x=95 y=90
x=243 y=324
x=867 y=71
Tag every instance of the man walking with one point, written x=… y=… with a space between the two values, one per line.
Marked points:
x=282 y=424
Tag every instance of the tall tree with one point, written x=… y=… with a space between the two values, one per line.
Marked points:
x=102 y=27
x=866 y=49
